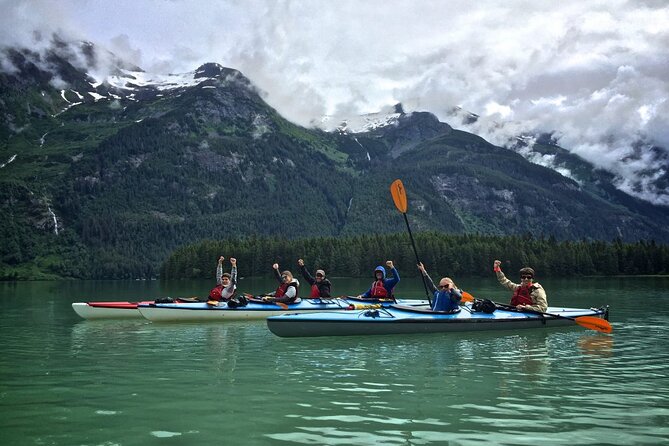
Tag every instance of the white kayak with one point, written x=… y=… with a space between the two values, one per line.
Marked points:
x=185 y=312
x=113 y=310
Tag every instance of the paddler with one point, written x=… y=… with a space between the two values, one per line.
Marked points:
x=528 y=295
x=320 y=286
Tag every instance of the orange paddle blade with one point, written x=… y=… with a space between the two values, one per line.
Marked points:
x=594 y=323
x=399 y=196
x=466 y=297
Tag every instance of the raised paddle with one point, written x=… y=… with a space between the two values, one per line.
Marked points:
x=590 y=322
x=400 y=199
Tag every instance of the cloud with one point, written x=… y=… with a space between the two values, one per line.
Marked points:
x=594 y=77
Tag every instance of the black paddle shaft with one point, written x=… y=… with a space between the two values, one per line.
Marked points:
x=415 y=251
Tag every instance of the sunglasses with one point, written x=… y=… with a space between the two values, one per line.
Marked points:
x=319 y=275
x=525 y=277
x=443 y=287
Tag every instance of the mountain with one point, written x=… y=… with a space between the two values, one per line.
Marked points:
x=105 y=169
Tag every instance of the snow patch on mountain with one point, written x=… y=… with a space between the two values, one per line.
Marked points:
x=13 y=157
x=131 y=80
x=387 y=116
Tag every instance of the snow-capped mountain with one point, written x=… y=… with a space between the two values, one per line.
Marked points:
x=104 y=169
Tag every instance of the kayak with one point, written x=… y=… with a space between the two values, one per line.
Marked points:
x=111 y=310
x=254 y=309
x=108 y=310
x=401 y=319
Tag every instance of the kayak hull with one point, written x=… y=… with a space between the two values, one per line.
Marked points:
x=397 y=320
x=191 y=312
x=108 y=310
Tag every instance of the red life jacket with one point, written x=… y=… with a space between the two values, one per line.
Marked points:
x=215 y=293
x=378 y=291
x=281 y=291
x=522 y=296
x=315 y=292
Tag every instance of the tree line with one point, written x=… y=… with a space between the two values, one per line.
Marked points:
x=457 y=255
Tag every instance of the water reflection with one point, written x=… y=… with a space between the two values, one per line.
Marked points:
x=596 y=344
x=133 y=382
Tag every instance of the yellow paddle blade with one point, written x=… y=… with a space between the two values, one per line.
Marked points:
x=364 y=306
x=466 y=297
x=594 y=323
x=399 y=196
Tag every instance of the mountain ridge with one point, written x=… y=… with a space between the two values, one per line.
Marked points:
x=110 y=185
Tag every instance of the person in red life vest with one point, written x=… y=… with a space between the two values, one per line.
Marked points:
x=526 y=295
x=226 y=284
x=382 y=288
x=320 y=286
x=288 y=289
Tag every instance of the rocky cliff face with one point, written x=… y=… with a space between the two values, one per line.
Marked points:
x=103 y=177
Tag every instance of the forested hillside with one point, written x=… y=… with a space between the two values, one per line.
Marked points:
x=455 y=255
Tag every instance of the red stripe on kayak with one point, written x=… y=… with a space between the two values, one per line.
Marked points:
x=128 y=305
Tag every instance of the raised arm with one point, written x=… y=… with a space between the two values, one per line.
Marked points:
x=427 y=276
x=219 y=270
x=233 y=271
x=501 y=278
x=305 y=273
x=390 y=283
x=277 y=274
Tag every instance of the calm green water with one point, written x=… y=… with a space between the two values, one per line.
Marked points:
x=66 y=381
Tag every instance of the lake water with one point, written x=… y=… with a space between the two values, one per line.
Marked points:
x=67 y=381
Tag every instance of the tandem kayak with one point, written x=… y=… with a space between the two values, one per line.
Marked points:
x=185 y=312
x=113 y=310
x=401 y=319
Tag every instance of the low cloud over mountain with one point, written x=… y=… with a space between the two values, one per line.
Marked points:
x=594 y=79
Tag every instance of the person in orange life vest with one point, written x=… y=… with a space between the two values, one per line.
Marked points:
x=226 y=284
x=526 y=295
x=447 y=297
x=288 y=289
x=382 y=288
x=320 y=286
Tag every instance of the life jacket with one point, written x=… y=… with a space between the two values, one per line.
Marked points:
x=522 y=296
x=378 y=291
x=215 y=293
x=281 y=290
x=315 y=292
x=443 y=302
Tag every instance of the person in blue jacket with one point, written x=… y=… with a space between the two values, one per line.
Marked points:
x=382 y=288
x=447 y=297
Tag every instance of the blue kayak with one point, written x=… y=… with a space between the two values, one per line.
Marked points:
x=402 y=319
x=202 y=311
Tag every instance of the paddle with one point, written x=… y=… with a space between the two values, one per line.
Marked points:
x=251 y=297
x=590 y=322
x=400 y=199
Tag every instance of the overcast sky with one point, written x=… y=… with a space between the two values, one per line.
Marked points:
x=595 y=72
